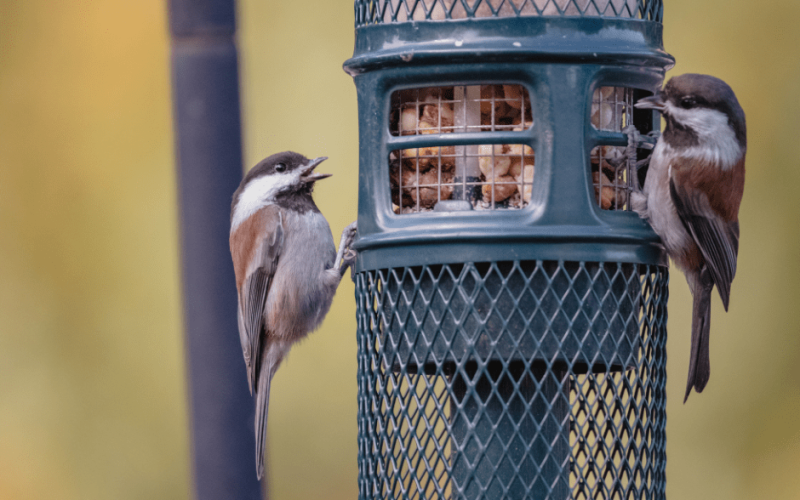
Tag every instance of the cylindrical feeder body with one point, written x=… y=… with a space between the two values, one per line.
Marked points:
x=511 y=306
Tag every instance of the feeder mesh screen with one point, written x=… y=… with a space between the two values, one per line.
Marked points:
x=398 y=11
x=508 y=380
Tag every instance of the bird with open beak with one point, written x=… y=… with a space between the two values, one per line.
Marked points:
x=286 y=265
x=692 y=194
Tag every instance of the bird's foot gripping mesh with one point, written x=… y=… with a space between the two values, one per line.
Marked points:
x=511 y=380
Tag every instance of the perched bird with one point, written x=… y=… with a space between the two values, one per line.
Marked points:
x=287 y=268
x=692 y=193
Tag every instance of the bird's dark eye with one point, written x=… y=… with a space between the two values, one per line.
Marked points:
x=280 y=167
x=688 y=102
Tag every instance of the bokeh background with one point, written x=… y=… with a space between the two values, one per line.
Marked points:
x=92 y=373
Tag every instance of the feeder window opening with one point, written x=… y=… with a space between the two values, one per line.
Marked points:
x=483 y=176
x=614 y=173
x=442 y=110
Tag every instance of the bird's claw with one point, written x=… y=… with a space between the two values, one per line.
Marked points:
x=349 y=259
x=346 y=256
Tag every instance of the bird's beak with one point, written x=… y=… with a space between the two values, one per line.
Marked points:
x=653 y=102
x=309 y=175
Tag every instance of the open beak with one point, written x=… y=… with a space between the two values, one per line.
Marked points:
x=653 y=102
x=309 y=175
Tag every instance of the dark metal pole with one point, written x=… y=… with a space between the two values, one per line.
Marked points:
x=209 y=163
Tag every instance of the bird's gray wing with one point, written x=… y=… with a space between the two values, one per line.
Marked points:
x=253 y=295
x=717 y=238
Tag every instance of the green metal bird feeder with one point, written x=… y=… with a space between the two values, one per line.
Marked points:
x=511 y=307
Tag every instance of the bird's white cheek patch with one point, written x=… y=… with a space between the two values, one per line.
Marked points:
x=258 y=193
x=718 y=144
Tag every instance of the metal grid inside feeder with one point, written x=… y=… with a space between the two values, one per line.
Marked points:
x=441 y=110
x=487 y=176
x=521 y=379
x=611 y=177
x=397 y=11
x=615 y=169
x=612 y=108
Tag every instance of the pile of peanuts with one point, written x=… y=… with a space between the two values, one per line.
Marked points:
x=427 y=174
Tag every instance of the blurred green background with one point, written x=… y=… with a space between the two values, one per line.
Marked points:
x=92 y=377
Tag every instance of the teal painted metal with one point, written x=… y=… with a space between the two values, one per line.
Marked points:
x=509 y=353
x=511 y=380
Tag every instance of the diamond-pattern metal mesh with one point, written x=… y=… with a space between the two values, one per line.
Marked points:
x=396 y=11
x=523 y=379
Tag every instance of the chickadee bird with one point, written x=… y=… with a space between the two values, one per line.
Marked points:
x=692 y=194
x=287 y=268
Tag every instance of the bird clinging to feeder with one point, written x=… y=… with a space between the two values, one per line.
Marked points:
x=692 y=195
x=287 y=268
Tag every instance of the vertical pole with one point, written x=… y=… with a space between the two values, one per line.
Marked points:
x=209 y=164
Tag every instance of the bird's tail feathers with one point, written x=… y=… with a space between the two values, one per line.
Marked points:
x=699 y=362
x=262 y=411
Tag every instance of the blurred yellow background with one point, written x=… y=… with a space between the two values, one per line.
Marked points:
x=92 y=378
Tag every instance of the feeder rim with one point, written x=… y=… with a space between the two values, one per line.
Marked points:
x=529 y=39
